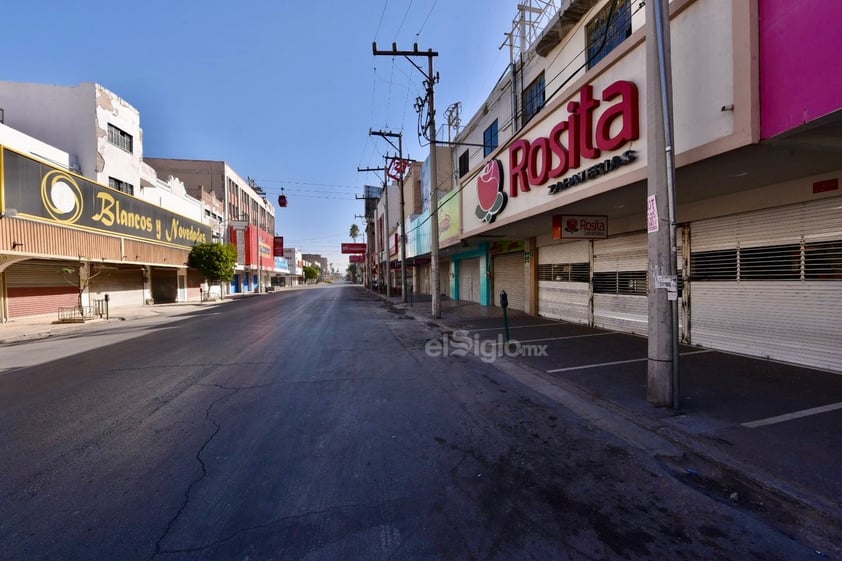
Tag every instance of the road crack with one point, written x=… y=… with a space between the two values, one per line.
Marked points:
x=203 y=474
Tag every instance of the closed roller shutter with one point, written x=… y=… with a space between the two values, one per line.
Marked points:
x=469 y=280
x=769 y=283
x=444 y=278
x=38 y=288
x=165 y=285
x=509 y=276
x=124 y=286
x=564 y=282
x=620 y=267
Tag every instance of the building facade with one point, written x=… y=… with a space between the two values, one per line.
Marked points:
x=552 y=175
x=78 y=223
x=247 y=220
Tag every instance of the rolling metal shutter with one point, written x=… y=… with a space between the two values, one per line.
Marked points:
x=509 y=276
x=444 y=278
x=469 y=280
x=165 y=284
x=620 y=267
x=561 y=293
x=124 y=286
x=37 y=287
x=769 y=283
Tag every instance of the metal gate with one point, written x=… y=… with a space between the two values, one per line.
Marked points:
x=124 y=286
x=469 y=279
x=509 y=275
x=620 y=267
x=769 y=283
x=564 y=289
x=38 y=287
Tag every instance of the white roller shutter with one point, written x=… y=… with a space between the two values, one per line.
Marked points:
x=620 y=267
x=769 y=283
x=124 y=287
x=563 y=282
x=509 y=275
x=469 y=280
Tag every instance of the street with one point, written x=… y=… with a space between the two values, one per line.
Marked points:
x=316 y=424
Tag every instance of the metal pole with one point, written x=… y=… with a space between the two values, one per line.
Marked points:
x=663 y=366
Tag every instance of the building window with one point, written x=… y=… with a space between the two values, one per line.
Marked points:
x=120 y=138
x=122 y=186
x=610 y=27
x=464 y=163
x=489 y=139
x=564 y=272
x=533 y=98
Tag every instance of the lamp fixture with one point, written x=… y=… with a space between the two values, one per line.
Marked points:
x=16 y=245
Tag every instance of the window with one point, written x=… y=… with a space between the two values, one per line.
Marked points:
x=533 y=99
x=610 y=27
x=778 y=262
x=720 y=265
x=489 y=139
x=464 y=163
x=127 y=188
x=632 y=283
x=564 y=272
x=823 y=261
x=120 y=138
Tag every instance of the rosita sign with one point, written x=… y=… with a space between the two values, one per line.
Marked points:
x=580 y=137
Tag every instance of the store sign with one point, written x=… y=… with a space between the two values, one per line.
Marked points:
x=278 y=246
x=51 y=194
x=356 y=258
x=353 y=248
x=492 y=198
x=577 y=140
x=569 y=227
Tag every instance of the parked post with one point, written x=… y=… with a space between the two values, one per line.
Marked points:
x=107 y=298
x=504 y=303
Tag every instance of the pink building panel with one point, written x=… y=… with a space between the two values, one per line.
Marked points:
x=800 y=62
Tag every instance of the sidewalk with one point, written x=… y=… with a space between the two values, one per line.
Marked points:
x=763 y=435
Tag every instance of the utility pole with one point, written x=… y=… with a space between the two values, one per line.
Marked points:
x=430 y=80
x=662 y=387
x=385 y=169
x=387 y=135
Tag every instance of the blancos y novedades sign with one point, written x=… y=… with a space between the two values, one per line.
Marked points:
x=571 y=153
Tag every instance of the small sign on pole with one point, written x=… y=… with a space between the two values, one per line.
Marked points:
x=652 y=225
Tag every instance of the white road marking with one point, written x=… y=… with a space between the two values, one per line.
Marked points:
x=586 y=366
x=513 y=327
x=791 y=416
x=561 y=338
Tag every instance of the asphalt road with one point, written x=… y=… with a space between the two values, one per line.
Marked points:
x=313 y=425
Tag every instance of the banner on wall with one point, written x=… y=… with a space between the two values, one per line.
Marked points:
x=49 y=194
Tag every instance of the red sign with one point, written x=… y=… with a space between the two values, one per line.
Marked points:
x=397 y=168
x=353 y=248
x=278 y=247
x=356 y=258
x=826 y=185
x=533 y=163
x=579 y=227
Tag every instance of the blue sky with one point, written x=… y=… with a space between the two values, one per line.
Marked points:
x=285 y=91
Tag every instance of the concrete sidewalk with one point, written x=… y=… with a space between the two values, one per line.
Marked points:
x=760 y=434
